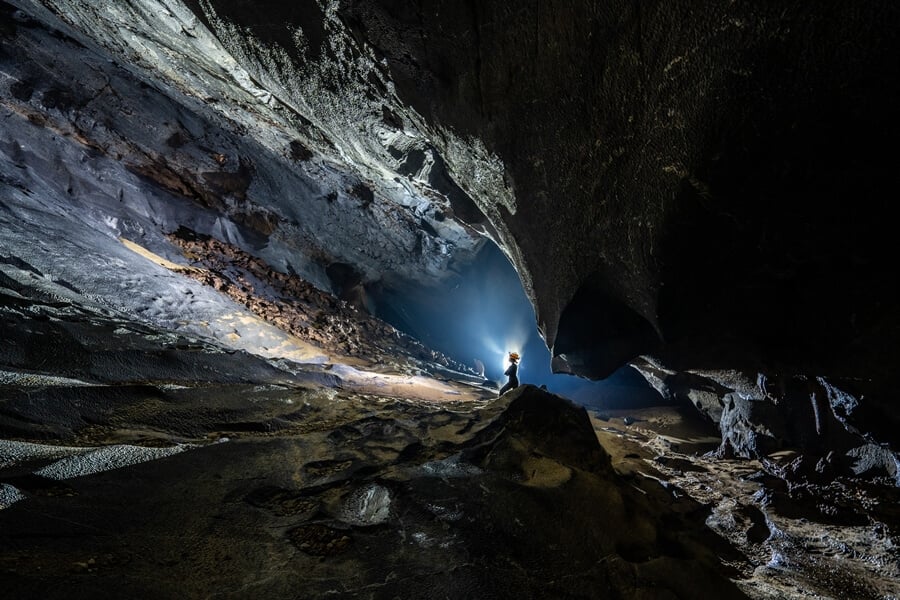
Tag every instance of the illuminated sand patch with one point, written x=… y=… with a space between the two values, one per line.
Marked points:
x=9 y=495
x=73 y=461
x=255 y=335
x=153 y=257
x=413 y=387
x=105 y=459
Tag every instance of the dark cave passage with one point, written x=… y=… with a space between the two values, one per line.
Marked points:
x=482 y=315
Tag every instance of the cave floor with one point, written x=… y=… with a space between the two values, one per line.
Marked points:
x=147 y=464
x=236 y=490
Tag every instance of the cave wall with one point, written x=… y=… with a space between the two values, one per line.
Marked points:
x=713 y=179
x=714 y=173
x=145 y=86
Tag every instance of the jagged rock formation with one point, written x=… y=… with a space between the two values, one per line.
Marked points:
x=299 y=308
x=801 y=537
x=837 y=432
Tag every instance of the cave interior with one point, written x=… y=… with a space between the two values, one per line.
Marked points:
x=262 y=264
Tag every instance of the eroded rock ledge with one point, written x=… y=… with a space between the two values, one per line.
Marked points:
x=832 y=427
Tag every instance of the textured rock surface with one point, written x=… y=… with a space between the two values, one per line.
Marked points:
x=363 y=499
x=307 y=492
x=163 y=123
x=299 y=308
x=761 y=416
x=802 y=540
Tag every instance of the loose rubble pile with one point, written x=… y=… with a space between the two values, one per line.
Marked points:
x=298 y=307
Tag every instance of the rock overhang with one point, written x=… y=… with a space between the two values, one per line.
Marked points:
x=170 y=102
x=691 y=167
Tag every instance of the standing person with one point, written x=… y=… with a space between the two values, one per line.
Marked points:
x=512 y=373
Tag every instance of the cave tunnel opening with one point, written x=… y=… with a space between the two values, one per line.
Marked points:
x=483 y=314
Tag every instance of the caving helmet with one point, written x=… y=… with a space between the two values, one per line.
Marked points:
x=513 y=356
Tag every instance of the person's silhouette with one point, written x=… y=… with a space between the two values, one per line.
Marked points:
x=512 y=373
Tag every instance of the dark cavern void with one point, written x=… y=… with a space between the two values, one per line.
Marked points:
x=262 y=265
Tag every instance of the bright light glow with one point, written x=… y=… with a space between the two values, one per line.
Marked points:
x=514 y=342
x=485 y=316
x=505 y=360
